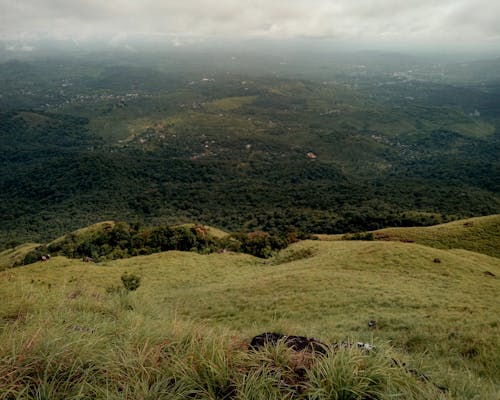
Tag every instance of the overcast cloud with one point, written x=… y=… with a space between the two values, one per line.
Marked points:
x=419 y=21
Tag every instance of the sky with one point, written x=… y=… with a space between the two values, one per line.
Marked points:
x=412 y=22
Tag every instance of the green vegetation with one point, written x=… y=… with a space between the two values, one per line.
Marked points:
x=144 y=140
x=15 y=255
x=275 y=153
x=359 y=236
x=130 y=282
x=481 y=235
x=229 y=103
x=113 y=240
x=186 y=327
x=201 y=367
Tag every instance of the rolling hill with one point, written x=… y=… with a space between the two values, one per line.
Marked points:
x=441 y=318
x=481 y=235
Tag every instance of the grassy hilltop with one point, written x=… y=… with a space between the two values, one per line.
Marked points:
x=69 y=331
x=481 y=234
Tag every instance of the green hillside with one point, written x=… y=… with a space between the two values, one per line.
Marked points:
x=15 y=255
x=83 y=234
x=481 y=234
x=439 y=318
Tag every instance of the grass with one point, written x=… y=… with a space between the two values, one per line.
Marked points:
x=184 y=332
x=191 y=366
x=11 y=256
x=481 y=234
x=87 y=232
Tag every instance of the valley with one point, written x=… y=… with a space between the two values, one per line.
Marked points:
x=97 y=140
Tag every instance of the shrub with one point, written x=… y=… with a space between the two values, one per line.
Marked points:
x=359 y=236
x=294 y=255
x=35 y=255
x=130 y=281
x=258 y=244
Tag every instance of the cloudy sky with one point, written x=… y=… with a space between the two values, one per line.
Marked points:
x=468 y=22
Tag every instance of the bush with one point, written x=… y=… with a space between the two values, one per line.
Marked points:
x=130 y=281
x=35 y=255
x=294 y=255
x=257 y=243
x=359 y=236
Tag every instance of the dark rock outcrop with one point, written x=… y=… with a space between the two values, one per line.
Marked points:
x=297 y=343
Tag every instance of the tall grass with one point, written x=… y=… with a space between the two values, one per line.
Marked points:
x=184 y=332
x=212 y=366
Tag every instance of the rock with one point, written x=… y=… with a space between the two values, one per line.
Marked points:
x=365 y=346
x=359 y=345
x=297 y=343
x=437 y=260
x=302 y=343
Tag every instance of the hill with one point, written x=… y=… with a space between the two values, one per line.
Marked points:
x=15 y=255
x=439 y=318
x=481 y=235
x=84 y=234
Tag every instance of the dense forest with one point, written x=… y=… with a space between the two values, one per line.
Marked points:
x=353 y=149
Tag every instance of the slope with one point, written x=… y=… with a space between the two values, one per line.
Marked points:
x=481 y=234
x=447 y=311
x=15 y=255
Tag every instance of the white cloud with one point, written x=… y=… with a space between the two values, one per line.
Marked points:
x=373 y=20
